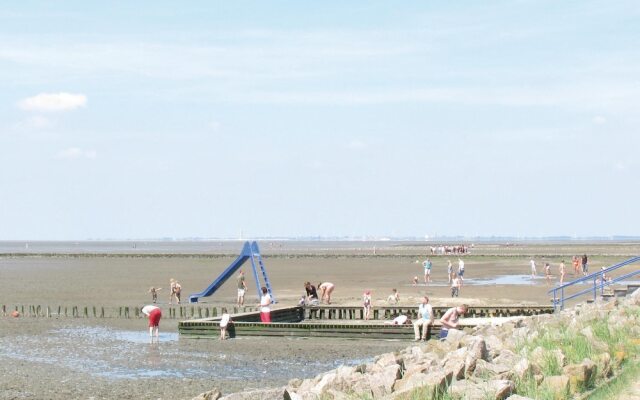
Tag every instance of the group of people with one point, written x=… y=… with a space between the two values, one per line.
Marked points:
x=455 y=278
x=175 y=289
x=451 y=274
x=580 y=265
x=459 y=249
x=311 y=293
x=449 y=320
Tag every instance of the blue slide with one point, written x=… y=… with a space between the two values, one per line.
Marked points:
x=215 y=285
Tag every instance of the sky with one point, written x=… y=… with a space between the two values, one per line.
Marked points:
x=156 y=119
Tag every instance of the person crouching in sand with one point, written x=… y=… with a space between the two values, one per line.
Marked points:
x=154 y=313
x=327 y=289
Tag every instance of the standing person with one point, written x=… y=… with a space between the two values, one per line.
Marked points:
x=455 y=286
x=265 y=309
x=585 y=265
x=534 y=272
x=224 y=322
x=576 y=265
x=547 y=272
x=177 y=289
x=242 y=288
x=427 y=271
x=154 y=313
x=461 y=271
x=154 y=294
x=394 y=297
x=450 y=319
x=561 y=271
x=327 y=289
x=312 y=294
x=449 y=271
x=366 y=304
x=172 y=290
x=425 y=319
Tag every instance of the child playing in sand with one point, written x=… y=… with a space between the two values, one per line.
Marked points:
x=224 y=321
x=455 y=285
x=366 y=298
x=415 y=280
x=561 y=270
x=394 y=297
x=154 y=293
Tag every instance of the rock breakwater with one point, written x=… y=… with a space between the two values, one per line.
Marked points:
x=541 y=357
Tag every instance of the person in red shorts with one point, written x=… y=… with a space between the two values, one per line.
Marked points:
x=154 y=313
x=265 y=309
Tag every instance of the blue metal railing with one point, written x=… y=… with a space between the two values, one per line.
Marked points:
x=598 y=283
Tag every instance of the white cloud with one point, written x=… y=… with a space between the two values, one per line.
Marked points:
x=599 y=119
x=53 y=102
x=74 y=153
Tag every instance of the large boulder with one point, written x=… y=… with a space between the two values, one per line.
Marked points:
x=455 y=336
x=494 y=346
x=431 y=384
x=557 y=384
x=522 y=369
x=493 y=389
x=213 y=394
x=487 y=370
x=259 y=394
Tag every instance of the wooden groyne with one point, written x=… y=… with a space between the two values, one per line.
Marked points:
x=387 y=313
x=337 y=321
x=70 y=311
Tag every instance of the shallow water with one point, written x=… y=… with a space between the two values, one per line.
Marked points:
x=121 y=354
x=498 y=280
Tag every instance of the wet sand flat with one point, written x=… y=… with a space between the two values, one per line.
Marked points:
x=49 y=358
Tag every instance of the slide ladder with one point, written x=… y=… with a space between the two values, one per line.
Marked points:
x=250 y=251
x=257 y=257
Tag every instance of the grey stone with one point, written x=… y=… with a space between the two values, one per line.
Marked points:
x=558 y=384
x=259 y=394
x=213 y=394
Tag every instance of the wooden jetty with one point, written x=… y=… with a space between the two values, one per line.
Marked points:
x=337 y=321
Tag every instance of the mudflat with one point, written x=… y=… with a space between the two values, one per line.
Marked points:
x=60 y=358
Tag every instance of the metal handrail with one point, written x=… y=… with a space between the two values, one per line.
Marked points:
x=598 y=283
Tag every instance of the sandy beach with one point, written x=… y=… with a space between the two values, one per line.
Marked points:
x=112 y=358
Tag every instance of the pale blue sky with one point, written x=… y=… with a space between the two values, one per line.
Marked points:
x=288 y=118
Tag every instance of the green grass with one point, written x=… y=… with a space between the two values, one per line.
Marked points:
x=629 y=375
